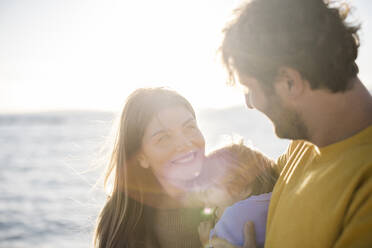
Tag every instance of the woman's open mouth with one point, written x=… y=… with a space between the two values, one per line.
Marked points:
x=185 y=166
x=187 y=158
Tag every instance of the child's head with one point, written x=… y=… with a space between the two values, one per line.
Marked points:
x=238 y=172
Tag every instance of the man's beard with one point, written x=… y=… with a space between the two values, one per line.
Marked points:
x=287 y=122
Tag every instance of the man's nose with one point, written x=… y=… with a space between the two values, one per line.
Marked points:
x=248 y=100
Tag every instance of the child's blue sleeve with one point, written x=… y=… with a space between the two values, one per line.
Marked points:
x=231 y=224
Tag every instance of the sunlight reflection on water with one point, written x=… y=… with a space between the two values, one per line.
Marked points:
x=47 y=198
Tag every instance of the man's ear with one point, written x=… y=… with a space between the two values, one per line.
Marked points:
x=143 y=161
x=290 y=83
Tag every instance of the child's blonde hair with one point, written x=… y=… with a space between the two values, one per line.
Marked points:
x=242 y=168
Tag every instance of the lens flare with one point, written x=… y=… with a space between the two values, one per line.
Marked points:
x=208 y=211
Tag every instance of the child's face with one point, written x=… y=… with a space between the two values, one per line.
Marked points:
x=216 y=194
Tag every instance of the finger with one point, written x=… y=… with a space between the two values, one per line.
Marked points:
x=249 y=235
x=202 y=225
x=221 y=243
x=207 y=225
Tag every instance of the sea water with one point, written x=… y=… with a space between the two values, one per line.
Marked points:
x=51 y=163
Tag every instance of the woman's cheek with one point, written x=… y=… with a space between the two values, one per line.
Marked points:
x=200 y=141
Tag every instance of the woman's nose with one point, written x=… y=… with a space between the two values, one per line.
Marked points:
x=183 y=142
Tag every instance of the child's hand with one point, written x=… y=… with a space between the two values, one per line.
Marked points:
x=204 y=229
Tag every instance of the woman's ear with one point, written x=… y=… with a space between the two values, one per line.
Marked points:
x=143 y=161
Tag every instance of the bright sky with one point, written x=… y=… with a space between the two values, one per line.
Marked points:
x=90 y=54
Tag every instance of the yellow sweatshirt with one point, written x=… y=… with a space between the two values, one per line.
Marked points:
x=323 y=197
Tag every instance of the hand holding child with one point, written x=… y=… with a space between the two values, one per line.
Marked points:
x=204 y=229
x=249 y=238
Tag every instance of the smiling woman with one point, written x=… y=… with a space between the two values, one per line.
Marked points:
x=158 y=152
x=173 y=147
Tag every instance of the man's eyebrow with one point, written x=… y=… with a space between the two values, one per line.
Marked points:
x=188 y=121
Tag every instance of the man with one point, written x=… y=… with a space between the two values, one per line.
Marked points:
x=296 y=58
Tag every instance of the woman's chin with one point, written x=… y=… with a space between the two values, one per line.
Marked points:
x=185 y=172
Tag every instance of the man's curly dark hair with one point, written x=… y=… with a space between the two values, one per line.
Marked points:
x=310 y=36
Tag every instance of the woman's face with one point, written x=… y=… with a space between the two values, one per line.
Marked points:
x=173 y=146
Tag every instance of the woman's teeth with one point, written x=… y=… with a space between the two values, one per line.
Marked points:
x=185 y=159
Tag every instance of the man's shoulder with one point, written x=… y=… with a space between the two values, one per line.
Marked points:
x=299 y=145
x=294 y=148
x=358 y=159
x=354 y=155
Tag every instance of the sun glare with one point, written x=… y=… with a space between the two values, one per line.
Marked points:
x=91 y=55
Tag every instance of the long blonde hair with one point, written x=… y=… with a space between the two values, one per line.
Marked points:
x=121 y=221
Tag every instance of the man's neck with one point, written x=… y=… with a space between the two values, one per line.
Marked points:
x=334 y=117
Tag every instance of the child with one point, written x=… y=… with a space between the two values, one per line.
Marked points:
x=240 y=188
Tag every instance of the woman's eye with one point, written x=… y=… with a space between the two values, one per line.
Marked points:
x=164 y=138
